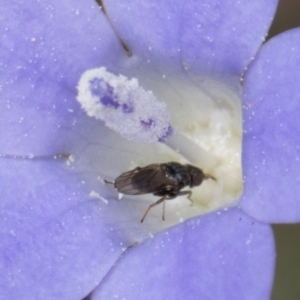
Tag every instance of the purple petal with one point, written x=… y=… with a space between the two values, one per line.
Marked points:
x=211 y=37
x=41 y=67
x=225 y=255
x=271 y=159
x=56 y=241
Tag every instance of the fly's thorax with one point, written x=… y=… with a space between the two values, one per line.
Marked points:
x=178 y=173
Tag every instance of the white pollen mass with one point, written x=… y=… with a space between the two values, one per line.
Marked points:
x=123 y=106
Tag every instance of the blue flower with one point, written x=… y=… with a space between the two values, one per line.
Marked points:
x=63 y=232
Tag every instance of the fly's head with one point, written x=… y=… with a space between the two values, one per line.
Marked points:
x=196 y=175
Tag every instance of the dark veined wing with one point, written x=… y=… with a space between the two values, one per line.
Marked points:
x=140 y=181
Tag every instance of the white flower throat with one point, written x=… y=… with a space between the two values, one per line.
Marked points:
x=185 y=126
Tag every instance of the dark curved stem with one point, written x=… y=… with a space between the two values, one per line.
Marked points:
x=123 y=44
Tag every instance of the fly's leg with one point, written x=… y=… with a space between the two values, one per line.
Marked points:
x=163 y=213
x=108 y=182
x=189 y=193
x=136 y=169
x=153 y=204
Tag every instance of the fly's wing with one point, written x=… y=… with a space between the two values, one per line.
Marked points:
x=149 y=179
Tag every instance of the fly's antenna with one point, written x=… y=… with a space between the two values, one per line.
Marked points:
x=207 y=176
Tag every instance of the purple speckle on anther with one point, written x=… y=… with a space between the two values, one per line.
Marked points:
x=109 y=102
x=98 y=87
x=104 y=92
x=167 y=134
x=148 y=124
x=127 y=108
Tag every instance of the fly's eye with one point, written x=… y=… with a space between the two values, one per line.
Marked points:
x=197 y=178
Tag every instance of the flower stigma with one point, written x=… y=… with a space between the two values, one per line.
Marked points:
x=206 y=132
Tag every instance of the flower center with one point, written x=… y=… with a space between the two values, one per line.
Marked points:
x=193 y=125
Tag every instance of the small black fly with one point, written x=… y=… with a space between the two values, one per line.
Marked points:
x=166 y=180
